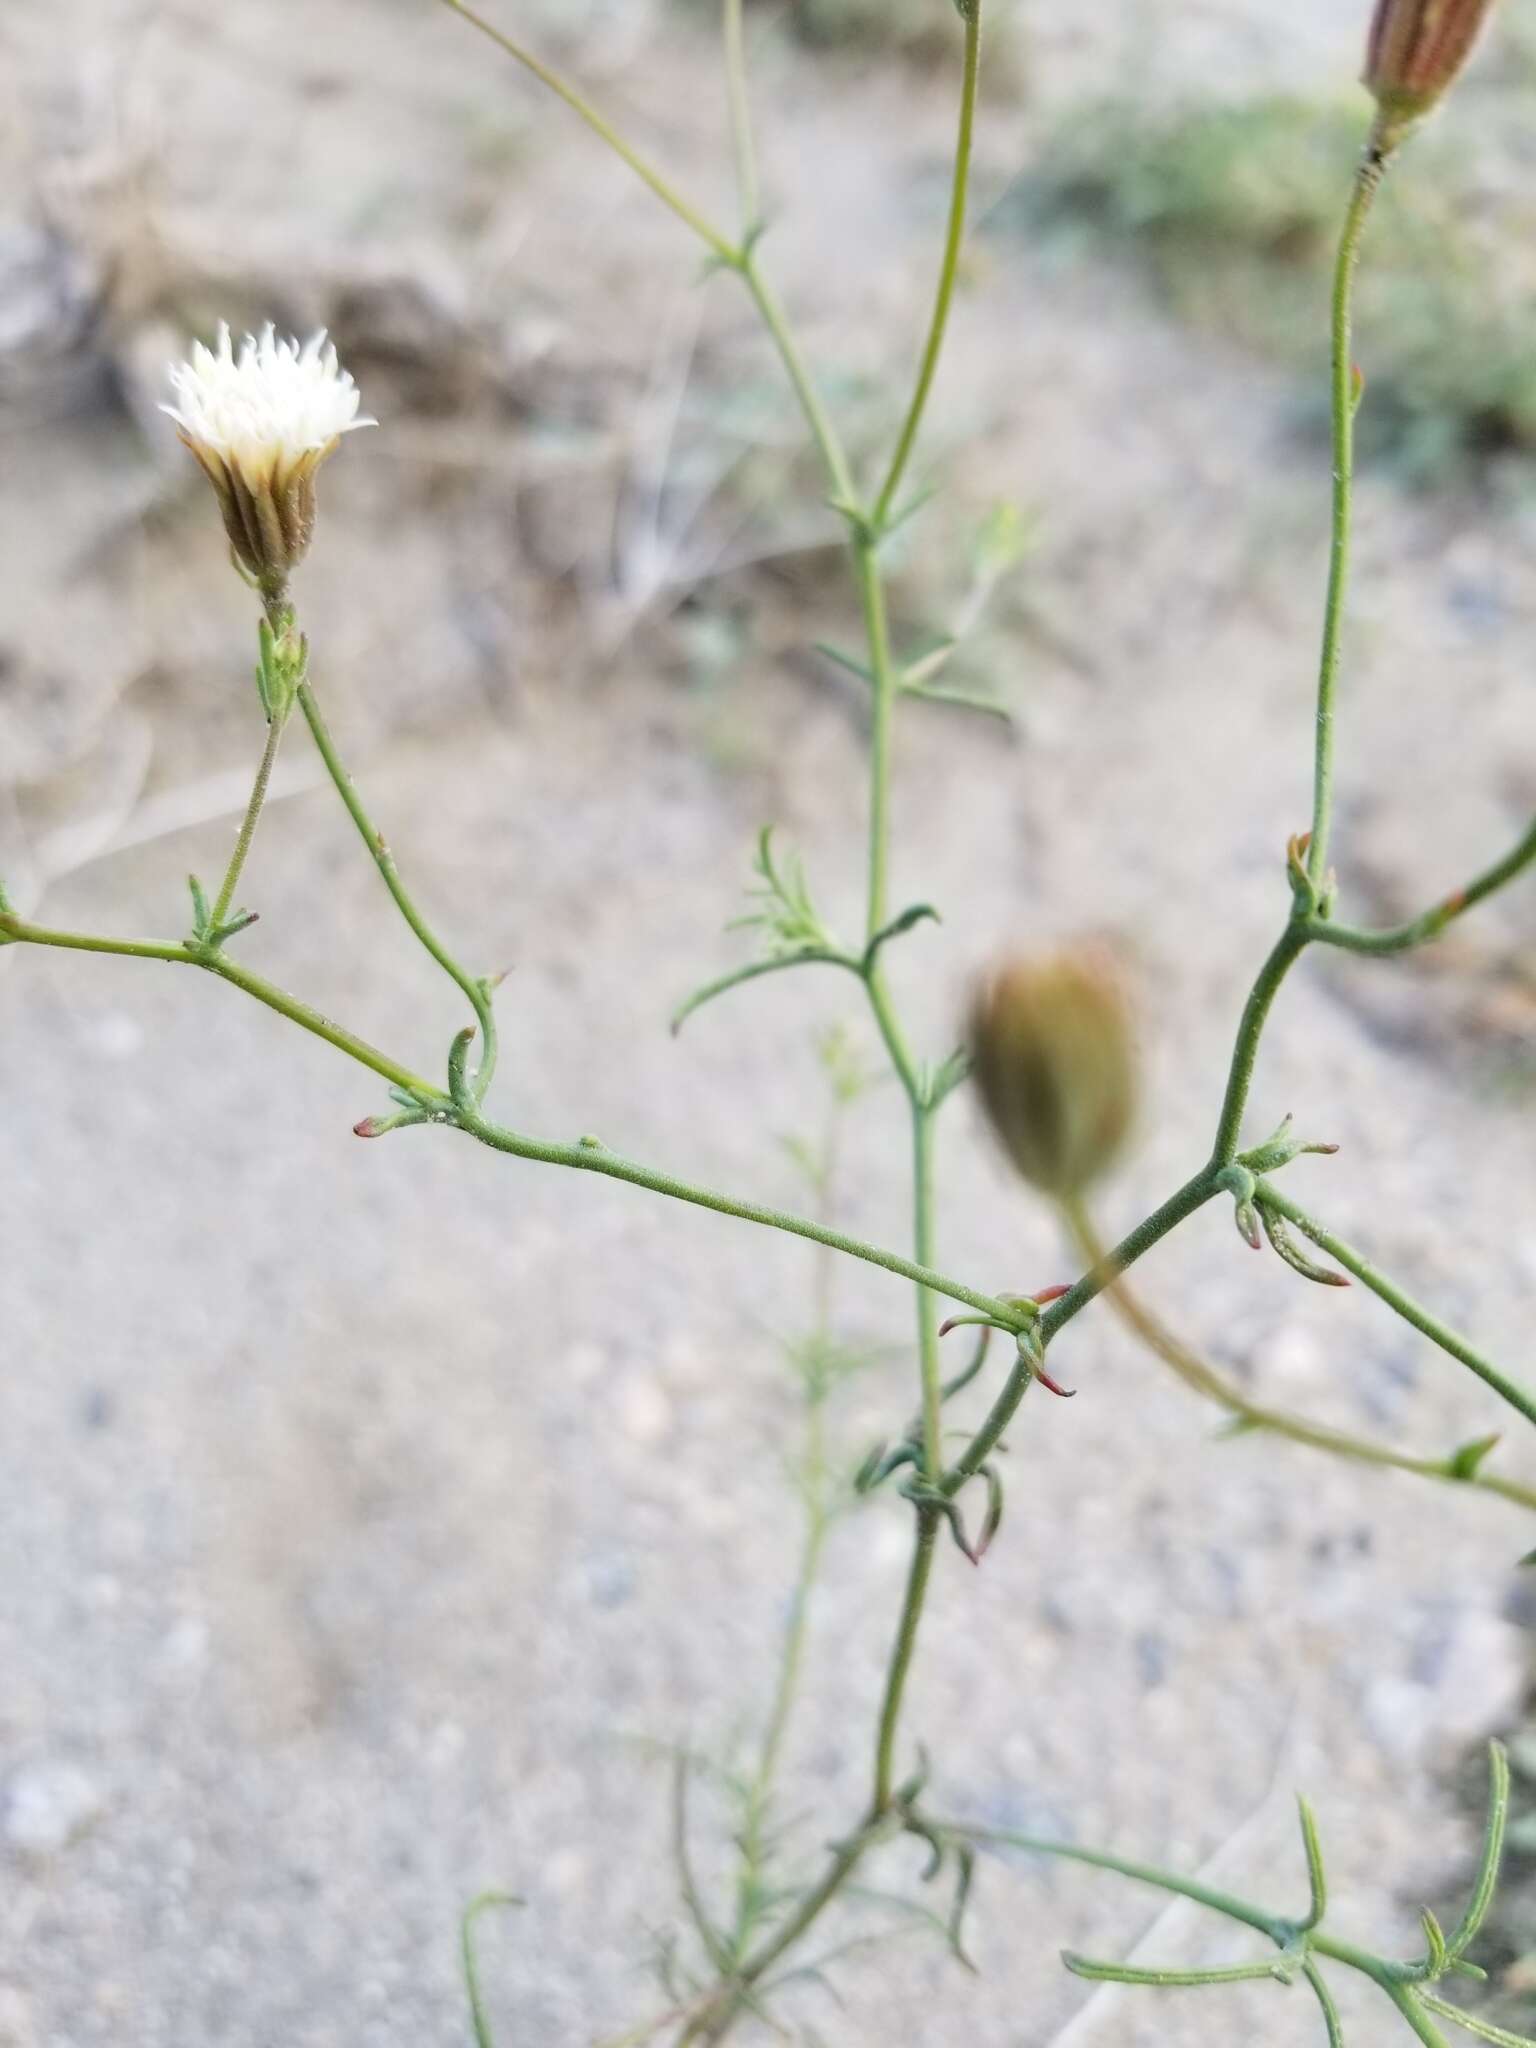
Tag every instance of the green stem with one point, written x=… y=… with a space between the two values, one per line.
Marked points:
x=1324 y=1996
x=927 y=1307
x=1418 y=931
x=902 y=1652
x=1408 y=2005
x=741 y=118
x=828 y=441
x=1180 y=1205
x=1287 y=951
x=786 y=1691
x=643 y=168
x=1402 y=1304
x=949 y=271
x=18 y=932
x=885 y=684
x=582 y=1158
x=1203 y=1378
x=592 y=1158
x=1268 y=1924
x=474 y=990
x=1192 y=1196
x=247 y=833
x=1367 y=183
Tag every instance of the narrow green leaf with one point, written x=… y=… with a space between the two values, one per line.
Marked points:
x=1280 y=1237
x=1467 y=1462
x=1436 y=1955
x=965 y=1857
x=811 y=956
x=960 y=700
x=915 y=914
x=949 y=1075
x=458 y=1069
x=1123 y=1973
x=1475 y=2024
x=845 y=661
x=963 y=1378
x=486 y=1903
x=715 y=1946
x=922 y=671
x=1316 y=1874
x=913 y=506
x=240 y=922
x=1493 y=1854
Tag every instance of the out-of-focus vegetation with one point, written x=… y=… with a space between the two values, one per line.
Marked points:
x=923 y=30
x=1233 y=209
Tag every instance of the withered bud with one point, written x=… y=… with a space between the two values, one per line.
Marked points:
x=1054 y=1059
x=1416 y=50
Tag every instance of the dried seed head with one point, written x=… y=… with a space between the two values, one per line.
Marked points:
x=1055 y=1064
x=1416 y=50
x=260 y=423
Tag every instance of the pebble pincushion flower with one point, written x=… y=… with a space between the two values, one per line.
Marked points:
x=260 y=422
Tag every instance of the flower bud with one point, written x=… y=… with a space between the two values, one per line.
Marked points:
x=1416 y=50
x=260 y=424
x=1055 y=1064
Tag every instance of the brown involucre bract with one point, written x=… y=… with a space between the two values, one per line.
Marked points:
x=1417 y=48
x=1055 y=1064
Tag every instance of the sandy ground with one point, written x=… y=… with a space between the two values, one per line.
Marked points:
x=369 y=1510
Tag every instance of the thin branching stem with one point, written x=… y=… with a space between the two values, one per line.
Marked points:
x=824 y=433
x=1203 y=1378
x=747 y=184
x=476 y=992
x=1399 y=1301
x=893 y=1806
x=247 y=833
x=18 y=931
x=1324 y=1996
x=1287 y=950
x=1367 y=183
x=949 y=271
x=1419 y=931
x=593 y=1158
x=720 y=245
x=903 y=1650
x=1228 y=1904
x=1410 y=2005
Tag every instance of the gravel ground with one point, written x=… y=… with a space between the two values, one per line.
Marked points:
x=369 y=1513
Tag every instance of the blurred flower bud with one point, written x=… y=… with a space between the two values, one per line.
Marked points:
x=261 y=423
x=1417 y=47
x=1054 y=1060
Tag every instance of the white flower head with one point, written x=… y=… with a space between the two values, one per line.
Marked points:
x=261 y=421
